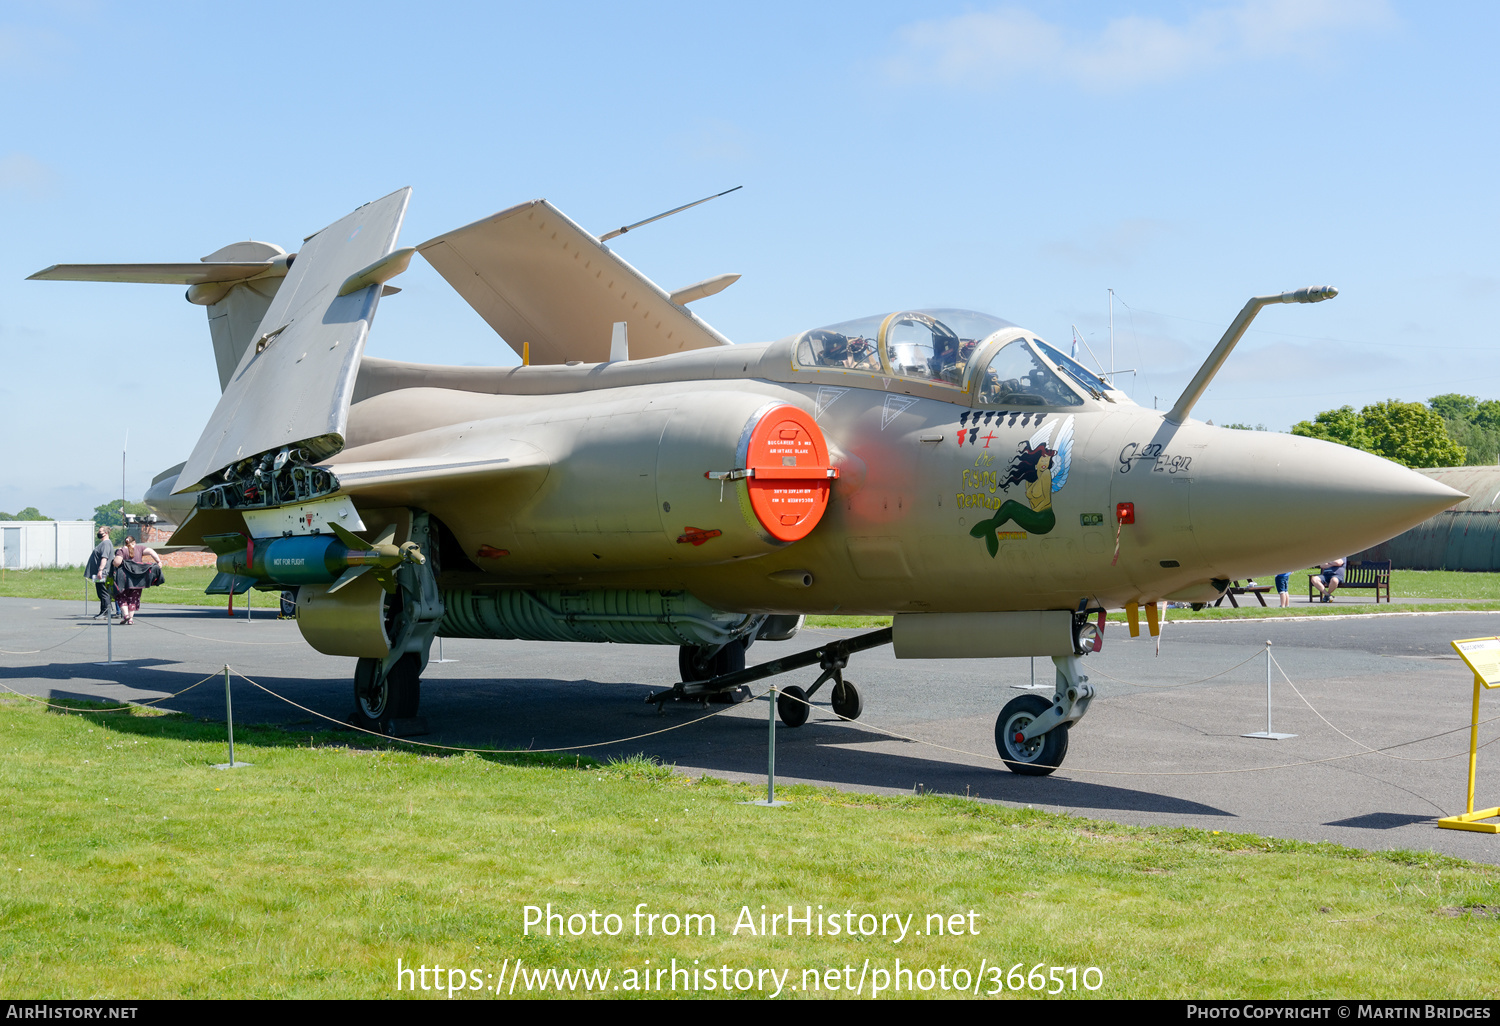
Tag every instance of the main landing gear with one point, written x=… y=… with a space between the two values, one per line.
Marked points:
x=379 y=699
x=1031 y=733
x=792 y=703
x=388 y=690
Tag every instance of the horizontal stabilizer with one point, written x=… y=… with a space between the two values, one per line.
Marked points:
x=547 y=286
x=293 y=382
x=161 y=274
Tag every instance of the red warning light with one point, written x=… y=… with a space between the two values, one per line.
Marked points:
x=1125 y=512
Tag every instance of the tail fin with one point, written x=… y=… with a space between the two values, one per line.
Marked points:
x=235 y=309
x=236 y=283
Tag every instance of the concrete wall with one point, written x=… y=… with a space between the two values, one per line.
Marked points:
x=27 y=544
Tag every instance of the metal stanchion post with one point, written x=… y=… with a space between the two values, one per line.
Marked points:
x=1268 y=734
x=229 y=720
x=440 y=658
x=109 y=635
x=770 y=799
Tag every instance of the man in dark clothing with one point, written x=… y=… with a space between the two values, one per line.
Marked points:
x=98 y=569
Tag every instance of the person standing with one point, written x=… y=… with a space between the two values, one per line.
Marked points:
x=135 y=570
x=1283 y=584
x=97 y=568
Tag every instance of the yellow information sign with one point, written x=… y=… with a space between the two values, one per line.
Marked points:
x=1483 y=657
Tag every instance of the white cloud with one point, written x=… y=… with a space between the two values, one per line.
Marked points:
x=23 y=173
x=984 y=48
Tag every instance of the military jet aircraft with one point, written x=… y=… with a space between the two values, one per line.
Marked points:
x=639 y=479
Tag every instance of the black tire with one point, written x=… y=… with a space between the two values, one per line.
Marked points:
x=1035 y=758
x=289 y=604
x=792 y=707
x=848 y=703
x=396 y=697
x=696 y=664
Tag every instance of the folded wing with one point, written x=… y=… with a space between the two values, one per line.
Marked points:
x=547 y=286
x=293 y=383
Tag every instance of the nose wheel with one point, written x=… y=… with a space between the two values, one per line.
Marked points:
x=1038 y=756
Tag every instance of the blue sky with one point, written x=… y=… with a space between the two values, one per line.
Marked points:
x=1019 y=159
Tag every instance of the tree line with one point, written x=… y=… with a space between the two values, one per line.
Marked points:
x=1450 y=430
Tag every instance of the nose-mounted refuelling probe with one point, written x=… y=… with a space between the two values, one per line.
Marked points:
x=1237 y=328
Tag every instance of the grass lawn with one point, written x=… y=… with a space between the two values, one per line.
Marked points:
x=183 y=586
x=129 y=868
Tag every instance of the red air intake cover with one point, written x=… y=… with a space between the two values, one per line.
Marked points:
x=790 y=474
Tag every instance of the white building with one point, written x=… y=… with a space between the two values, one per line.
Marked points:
x=26 y=544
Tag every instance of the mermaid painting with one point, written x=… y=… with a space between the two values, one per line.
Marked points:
x=1044 y=469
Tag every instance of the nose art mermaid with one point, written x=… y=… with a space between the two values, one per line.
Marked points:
x=1044 y=470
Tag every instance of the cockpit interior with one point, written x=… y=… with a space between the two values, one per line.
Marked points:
x=977 y=355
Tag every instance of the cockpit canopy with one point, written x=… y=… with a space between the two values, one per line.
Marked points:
x=972 y=353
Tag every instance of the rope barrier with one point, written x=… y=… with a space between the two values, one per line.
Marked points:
x=223 y=641
x=60 y=644
x=1164 y=773
x=1175 y=773
x=120 y=708
x=488 y=751
x=1168 y=687
x=1383 y=751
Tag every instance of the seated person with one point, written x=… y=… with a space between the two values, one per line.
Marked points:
x=944 y=364
x=831 y=348
x=862 y=355
x=1330 y=576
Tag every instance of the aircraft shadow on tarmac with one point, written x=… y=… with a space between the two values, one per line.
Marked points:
x=1382 y=821
x=537 y=714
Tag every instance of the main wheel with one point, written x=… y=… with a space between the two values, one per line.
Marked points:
x=792 y=707
x=695 y=664
x=396 y=696
x=1039 y=756
x=847 y=701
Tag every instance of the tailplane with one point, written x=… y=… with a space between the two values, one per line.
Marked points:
x=236 y=283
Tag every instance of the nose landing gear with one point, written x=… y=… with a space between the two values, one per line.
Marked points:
x=1031 y=733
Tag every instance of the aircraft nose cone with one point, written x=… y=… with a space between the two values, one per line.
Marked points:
x=1264 y=503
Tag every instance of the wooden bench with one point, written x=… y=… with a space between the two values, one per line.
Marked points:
x=1358 y=575
x=1258 y=590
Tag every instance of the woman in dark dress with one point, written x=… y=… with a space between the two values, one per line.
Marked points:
x=135 y=570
